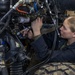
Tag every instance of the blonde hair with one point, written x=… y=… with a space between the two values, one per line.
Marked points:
x=71 y=22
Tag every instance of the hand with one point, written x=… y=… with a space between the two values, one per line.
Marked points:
x=36 y=26
x=28 y=33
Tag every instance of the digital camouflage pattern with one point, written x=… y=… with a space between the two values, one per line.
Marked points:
x=57 y=69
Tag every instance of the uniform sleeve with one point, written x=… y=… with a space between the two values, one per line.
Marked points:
x=40 y=48
x=42 y=52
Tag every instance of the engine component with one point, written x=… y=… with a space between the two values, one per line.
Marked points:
x=4 y=6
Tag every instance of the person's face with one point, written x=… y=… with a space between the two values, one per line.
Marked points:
x=65 y=31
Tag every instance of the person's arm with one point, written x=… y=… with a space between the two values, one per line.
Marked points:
x=42 y=50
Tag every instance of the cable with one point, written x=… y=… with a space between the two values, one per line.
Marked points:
x=21 y=11
x=6 y=24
